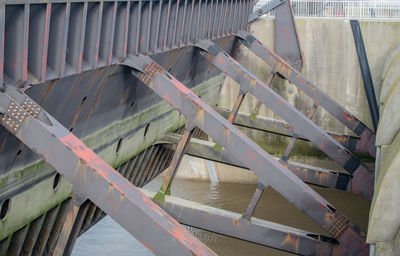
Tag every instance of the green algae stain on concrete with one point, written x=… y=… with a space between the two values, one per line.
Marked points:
x=25 y=207
x=218 y=147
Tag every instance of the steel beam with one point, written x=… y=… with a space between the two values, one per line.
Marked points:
x=270 y=172
x=253 y=202
x=68 y=37
x=265 y=9
x=252 y=230
x=367 y=136
x=280 y=127
x=94 y=178
x=365 y=72
x=287 y=44
x=210 y=151
x=363 y=178
x=176 y=159
x=72 y=225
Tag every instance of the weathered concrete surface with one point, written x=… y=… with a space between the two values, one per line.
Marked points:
x=389 y=123
x=384 y=223
x=389 y=75
x=193 y=168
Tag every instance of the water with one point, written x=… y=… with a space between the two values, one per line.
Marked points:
x=108 y=238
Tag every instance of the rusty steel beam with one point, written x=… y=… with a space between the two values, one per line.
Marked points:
x=177 y=159
x=280 y=127
x=72 y=225
x=367 y=136
x=309 y=174
x=47 y=40
x=253 y=230
x=287 y=44
x=365 y=72
x=94 y=178
x=363 y=178
x=270 y=172
x=265 y=9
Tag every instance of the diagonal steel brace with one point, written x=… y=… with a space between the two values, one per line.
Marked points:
x=363 y=179
x=367 y=136
x=253 y=230
x=93 y=178
x=307 y=173
x=270 y=172
x=265 y=9
x=280 y=127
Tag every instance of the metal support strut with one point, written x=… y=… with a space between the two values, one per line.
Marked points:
x=265 y=124
x=72 y=226
x=95 y=179
x=367 y=136
x=307 y=173
x=176 y=161
x=363 y=179
x=252 y=230
x=365 y=72
x=270 y=171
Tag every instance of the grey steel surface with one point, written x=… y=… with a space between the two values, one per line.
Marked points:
x=270 y=172
x=63 y=53
x=280 y=127
x=94 y=178
x=75 y=36
x=286 y=40
x=320 y=98
x=307 y=173
x=72 y=37
x=253 y=230
x=365 y=72
x=177 y=158
x=265 y=9
x=363 y=179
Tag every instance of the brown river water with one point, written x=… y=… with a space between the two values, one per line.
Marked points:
x=108 y=238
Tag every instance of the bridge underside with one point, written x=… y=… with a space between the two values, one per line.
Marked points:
x=85 y=112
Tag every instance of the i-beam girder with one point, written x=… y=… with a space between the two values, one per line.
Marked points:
x=210 y=151
x=270 y=172
x=96 y=180
x=280 y=127
x=93 y=178
x=253 y=230
x=367 y=136
x=362 y=181
x=265 y=9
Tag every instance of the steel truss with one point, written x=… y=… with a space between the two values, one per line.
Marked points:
x=351 y=240
x=362 y=181
x=210 y=151
x=105 y=35
x=280 y=127
x=93 y=178
x=279 y=65
x=253 y=230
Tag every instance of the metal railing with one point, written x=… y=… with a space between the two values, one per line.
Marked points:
x=378 y=10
